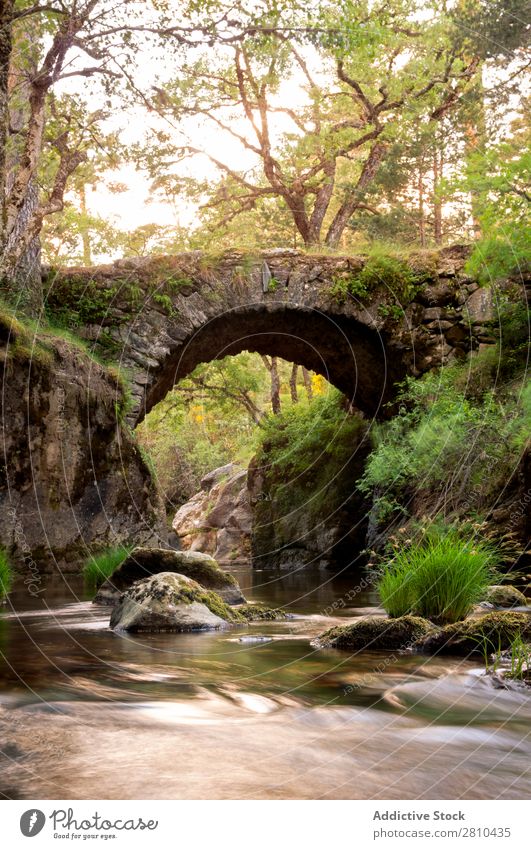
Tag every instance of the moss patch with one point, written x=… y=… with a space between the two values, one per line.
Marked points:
x=170 y=588
x=256 y=612
x=376 y=633
x=486 y=634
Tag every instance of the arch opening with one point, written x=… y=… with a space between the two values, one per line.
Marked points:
x=348 y=354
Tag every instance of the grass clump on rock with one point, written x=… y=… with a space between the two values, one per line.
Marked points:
x=100 y=566
x=440 y=578
x=6 y=573
x=376 y=632
x=485 y=634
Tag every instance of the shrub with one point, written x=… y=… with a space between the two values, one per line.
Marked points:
x=100 y=566
x=439 y=578
x=392 y=274
x=6 y=573
x=453 y=434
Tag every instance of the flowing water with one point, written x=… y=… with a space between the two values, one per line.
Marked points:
x=250 y=712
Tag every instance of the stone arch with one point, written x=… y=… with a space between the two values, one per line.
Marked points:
x=347 y=353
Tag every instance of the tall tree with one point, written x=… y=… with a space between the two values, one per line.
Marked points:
x=369 y=69
x=83 y=39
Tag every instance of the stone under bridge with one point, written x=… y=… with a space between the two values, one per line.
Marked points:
x=160 y=317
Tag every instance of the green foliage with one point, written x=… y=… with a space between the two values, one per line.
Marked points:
x=310 y=456
x=6 y=573
x=457 y=435
x=520 y=658
x=386 y=273
x=502 y=254
x=440 y=578
x=499 y=179
x=308 y=436
x=75 y=301
x=100 y=566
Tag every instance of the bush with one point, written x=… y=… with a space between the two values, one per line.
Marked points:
x=100 y=566
x=456 y=432
x=6 y=574
x=440 y=578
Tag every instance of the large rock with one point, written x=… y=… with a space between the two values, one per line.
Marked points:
x=318 y=520
x=72 y=475
x=477 y=635
x=505 y=596
x=170 y=602
x=375 y=633
x=218 y=519
x=144 y=562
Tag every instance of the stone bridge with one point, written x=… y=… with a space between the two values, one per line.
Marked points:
x=160 y=317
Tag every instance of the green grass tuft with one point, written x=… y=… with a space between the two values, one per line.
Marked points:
x=6 y=573
x=440 y=579
x=101 y=566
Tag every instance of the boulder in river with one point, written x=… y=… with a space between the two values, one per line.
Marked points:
x=170 y=602
x=505 y=596
x=375 y=633
x=143 y=562
x=477 y=635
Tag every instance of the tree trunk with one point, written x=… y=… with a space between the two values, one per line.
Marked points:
x=21 y=257
x=26 y=277
x=420 y=188
x=271 y=364
x=437 y=203
x=307 y=383
x=475 y=142
x=85 y=234
x=349 y=206
x=293 y=383
x=6 y=18
x=275 y=386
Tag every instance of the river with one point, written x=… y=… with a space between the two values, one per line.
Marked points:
x=250 y=712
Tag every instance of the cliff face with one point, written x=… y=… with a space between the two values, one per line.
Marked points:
x=72 y=478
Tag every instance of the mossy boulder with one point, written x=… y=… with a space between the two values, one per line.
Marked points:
x=375 y=633
x=143 y=562
x=473 y=636
x=171 y=602
x=505 y=596
x=259 y=612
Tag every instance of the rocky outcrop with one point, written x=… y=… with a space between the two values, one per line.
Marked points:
x=145 y=562
x=505 y=596
x=218 y=519
x=72 y=476
x=376 y=633
x=164 y=315
x=477 y=635
x=170 y=602
x=317 y=517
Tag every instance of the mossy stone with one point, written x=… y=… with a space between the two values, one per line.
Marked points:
x=376 y=633
x=171 y=602
x=505 y=596
x=259 y=612
x=475 y=636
